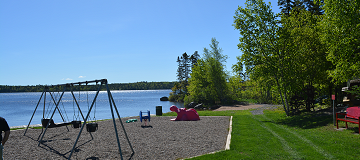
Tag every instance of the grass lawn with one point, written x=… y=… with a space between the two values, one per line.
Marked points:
x=275 y=136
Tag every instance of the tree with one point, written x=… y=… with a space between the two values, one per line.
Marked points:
x=198 y=88
x=300 y=35
x=313 y=7
x=258 y=41
x=177 y=89
x=341 y=32
x=287 y=5
x=180 y=73
x=216 y=63
x=185 y=60
x=193 y=58
x=207 y=83
x=215 y=52
x=185 y=64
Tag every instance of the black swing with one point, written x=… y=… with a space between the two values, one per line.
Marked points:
x=45 y=121
x=93 y=126
x=76 y=123
x=50 y=122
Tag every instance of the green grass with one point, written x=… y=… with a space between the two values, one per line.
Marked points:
x=273 y=135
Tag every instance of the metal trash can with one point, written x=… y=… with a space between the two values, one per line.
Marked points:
x=159 y=110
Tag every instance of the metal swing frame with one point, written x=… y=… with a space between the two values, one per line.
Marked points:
x=111 y=103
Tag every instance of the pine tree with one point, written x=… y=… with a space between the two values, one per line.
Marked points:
x=314 y=8
x=185 y=65
x=193 y=58
x=285 y=6
x=180 y=73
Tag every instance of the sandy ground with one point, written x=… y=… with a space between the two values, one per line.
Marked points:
x=161 y=140
x=239 y=107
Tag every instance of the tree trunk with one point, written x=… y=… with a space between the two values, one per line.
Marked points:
x=286 y=108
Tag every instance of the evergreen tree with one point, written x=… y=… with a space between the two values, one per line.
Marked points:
x=314 y=8
x=285 y=6
x=185 y=65
x=193 y=58
x=180 y=73
x=185 y=59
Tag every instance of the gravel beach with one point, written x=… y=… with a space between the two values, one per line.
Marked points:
x=165 y=139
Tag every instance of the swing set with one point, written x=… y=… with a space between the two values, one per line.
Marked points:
x=54 y=105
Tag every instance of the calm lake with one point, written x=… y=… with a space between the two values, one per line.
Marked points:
x=17 y=108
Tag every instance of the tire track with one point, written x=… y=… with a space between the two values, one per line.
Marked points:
x=284 y=143
x=317 y=148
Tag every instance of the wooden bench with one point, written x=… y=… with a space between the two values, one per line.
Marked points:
x=352 y=115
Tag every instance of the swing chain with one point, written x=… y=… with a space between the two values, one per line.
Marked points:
x=95 y=105
x=78 y=116
x=51 y=103
x=74 y=116
x=67 y=118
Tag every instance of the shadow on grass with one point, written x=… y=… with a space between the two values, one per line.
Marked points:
x=354 y=129
x=307 y=120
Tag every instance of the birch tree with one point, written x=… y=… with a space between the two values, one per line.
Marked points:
x=259 y=37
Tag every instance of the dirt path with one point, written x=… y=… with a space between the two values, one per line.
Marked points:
x=239 y=107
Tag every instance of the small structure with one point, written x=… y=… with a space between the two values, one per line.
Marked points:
x=185 y=115
x=144 y=117
x=351 y=99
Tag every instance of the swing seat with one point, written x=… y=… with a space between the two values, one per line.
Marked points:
x=91 y=127
x=45 y=121
x=76 y=124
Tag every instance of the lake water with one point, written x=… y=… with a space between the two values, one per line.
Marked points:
x=17 y=108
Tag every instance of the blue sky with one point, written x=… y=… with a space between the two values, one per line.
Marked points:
x=63 y=41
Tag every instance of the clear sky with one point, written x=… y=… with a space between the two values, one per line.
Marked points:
x=64 y=41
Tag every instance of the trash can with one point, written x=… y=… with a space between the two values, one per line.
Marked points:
x=159 y=110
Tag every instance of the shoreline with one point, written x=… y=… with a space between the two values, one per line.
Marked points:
x=222 y=108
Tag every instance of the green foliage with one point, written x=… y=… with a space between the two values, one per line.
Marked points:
x=185 y=65
x=259 y=91
x=341 y=32
x=288 y=57
x=207 y=83
x=236 y=86
x=305 y=55
x=260 y=44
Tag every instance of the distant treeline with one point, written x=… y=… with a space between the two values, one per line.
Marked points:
x=114 y=86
